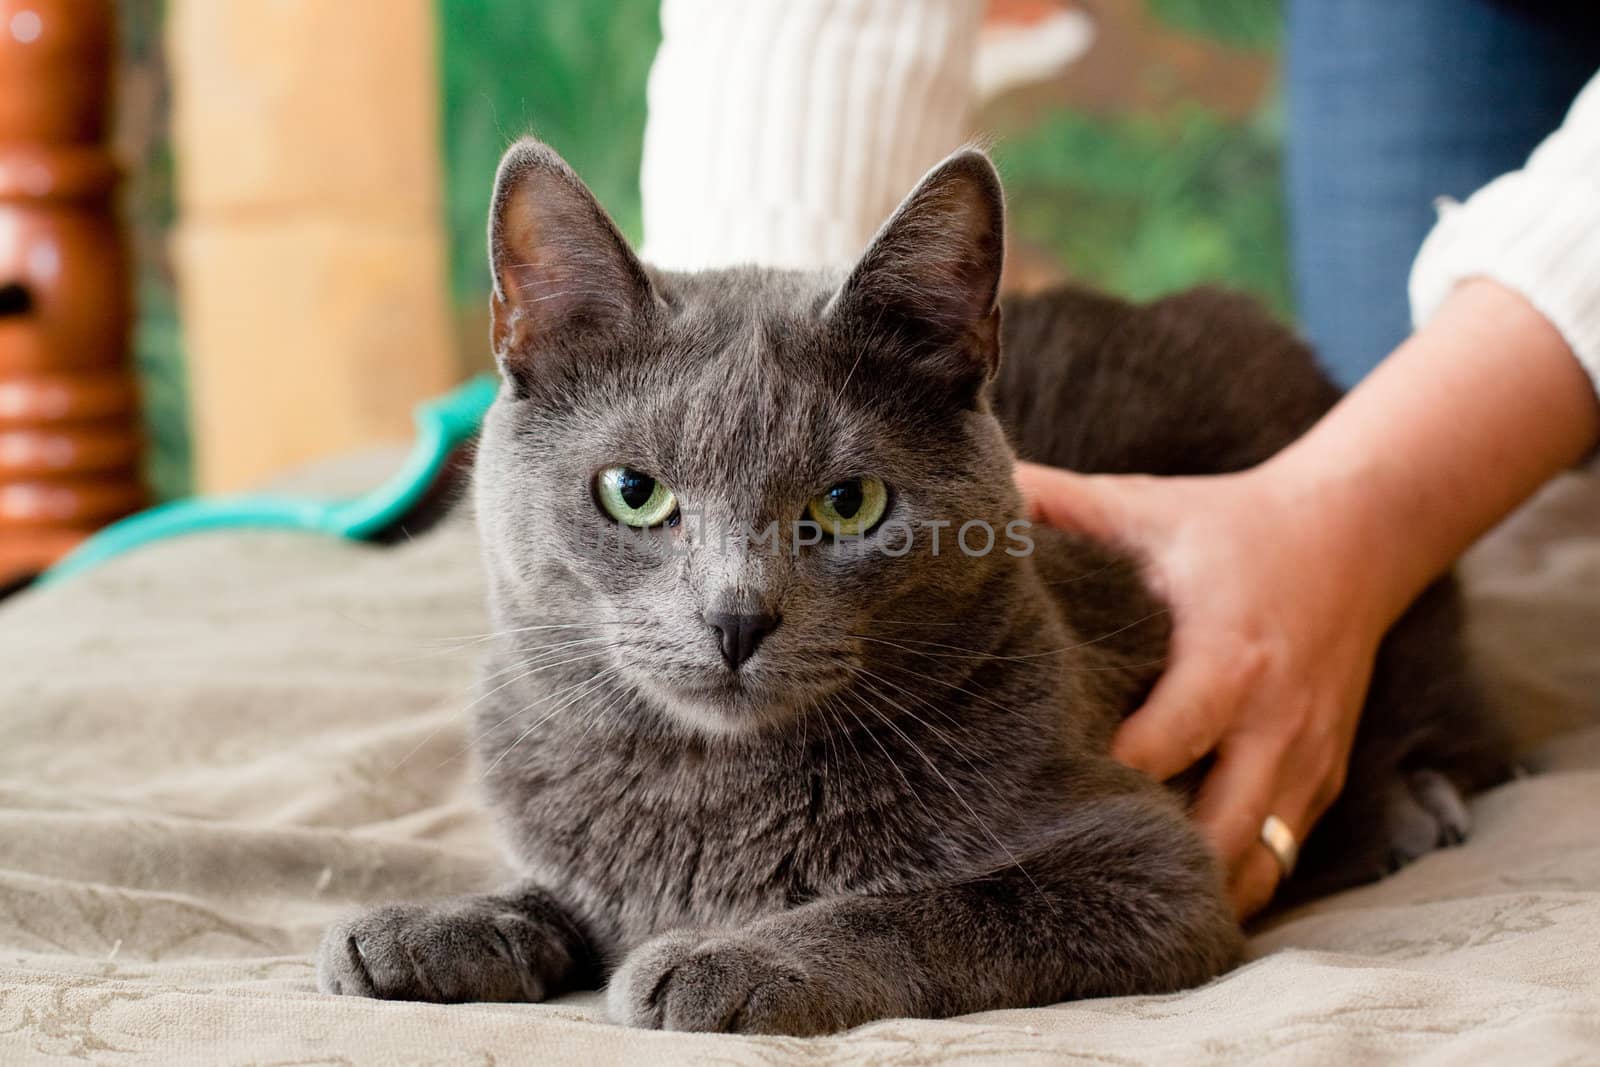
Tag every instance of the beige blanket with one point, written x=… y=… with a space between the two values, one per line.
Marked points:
x=211 y=748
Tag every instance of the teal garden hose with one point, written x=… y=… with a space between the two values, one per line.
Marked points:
x=443 y=425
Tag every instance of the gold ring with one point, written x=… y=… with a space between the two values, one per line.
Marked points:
x=1279 y=839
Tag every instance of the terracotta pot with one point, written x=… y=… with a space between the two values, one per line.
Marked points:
x=69 y=448
x=59 y=241
x=54 y=69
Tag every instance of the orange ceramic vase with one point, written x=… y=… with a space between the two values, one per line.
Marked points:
x=69 y=446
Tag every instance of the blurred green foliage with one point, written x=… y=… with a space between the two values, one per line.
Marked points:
x=147 y=201
x=1237 y=23
x=164 y=391
x=571 y=72
x=1142 y=205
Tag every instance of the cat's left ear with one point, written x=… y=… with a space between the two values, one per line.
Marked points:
x=561 y=269
x=932 y=274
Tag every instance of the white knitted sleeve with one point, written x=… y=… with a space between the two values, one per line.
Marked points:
x=1535 y=231
x=783 y=132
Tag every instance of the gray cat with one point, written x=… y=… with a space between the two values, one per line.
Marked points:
x=777 y=743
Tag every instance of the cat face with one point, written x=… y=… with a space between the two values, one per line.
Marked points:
x=749 y=488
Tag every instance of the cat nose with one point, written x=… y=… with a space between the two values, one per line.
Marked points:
x=739 y=634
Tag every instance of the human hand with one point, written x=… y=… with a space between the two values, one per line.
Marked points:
x=1276 y=624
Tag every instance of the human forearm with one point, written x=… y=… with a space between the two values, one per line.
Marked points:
x=1535 y=231
x=1461 y=424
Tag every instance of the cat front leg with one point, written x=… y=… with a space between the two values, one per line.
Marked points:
x=516 y=946
x=1122 y=898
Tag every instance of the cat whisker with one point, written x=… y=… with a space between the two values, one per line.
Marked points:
x=922 y=676
x=911 y=789
x=958 y=652
x=831 y=756
x=543 y=667
x=448 y=646
x=915 y=622
x=971 y=811
x=629 y=691
x=528 y=670
x=538 y=668
x=545 y=651
x=946 y=738
x=844 y=730
x=472 y=639
x=537 y=652
x=1110 y=667
x=1086 y=575
x=591 y=684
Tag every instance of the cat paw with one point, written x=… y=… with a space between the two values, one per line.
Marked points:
x=445 y=953
x=1425 y=812
x=733 y=983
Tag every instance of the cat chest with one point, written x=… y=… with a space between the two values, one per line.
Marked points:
x=665 y=851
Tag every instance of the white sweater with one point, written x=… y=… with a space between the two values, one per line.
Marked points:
x=783 y=132
x=1535 y=231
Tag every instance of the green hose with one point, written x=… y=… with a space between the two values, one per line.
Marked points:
x=443 y=425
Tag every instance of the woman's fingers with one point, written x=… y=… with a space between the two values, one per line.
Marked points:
x=1087 y=503
x=1254 y=883
x=1193 y=704
x=1257 y=775
x=1241 y=791
x=1236 y=797
x=1254 y=876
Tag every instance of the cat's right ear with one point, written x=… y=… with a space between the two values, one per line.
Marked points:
x=562 y=271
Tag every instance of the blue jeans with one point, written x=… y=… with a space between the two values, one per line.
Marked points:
x=1390 y=104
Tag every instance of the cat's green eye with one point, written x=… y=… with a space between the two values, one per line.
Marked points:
x=849 y=508
x=633 y=497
